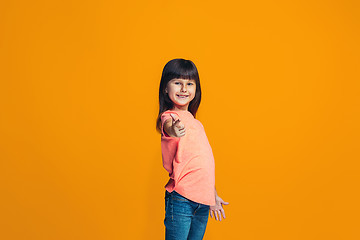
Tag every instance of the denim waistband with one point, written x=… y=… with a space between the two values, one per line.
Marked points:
x=174 y=193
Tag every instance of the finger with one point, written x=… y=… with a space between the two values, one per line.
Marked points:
x=223 y=213
x=225 y=203
x=182 y=131
x=211 y=214
x=180 y=127
x=216 y=216
x=177 y=122
x=179 y=131
x=220 y=216
x=173 y=116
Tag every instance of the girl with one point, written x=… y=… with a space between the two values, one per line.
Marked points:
x=187 y=155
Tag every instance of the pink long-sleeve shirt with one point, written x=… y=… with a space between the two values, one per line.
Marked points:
x=189 y=160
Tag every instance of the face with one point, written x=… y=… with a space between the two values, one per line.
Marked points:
x=181 y=92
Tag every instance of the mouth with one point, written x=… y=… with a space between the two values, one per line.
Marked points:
x=182 y=96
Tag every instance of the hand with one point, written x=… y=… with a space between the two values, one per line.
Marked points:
x=217 y=209
x=177 y=127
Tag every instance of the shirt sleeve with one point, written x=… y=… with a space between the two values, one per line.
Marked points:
x=165 y=116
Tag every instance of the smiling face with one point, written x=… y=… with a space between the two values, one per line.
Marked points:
x=181 y=92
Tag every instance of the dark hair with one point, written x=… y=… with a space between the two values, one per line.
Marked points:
x=178 y=68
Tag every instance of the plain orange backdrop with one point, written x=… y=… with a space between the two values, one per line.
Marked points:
x=79 y=154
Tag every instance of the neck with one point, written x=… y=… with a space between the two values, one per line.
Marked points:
x=183 y=108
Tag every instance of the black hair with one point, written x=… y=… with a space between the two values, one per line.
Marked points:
x=178 y=68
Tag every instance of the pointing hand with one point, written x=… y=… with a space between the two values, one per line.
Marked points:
x=178 y=127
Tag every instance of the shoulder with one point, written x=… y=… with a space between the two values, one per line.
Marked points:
x=199 y=122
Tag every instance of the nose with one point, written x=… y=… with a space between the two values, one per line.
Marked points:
x=183 y=88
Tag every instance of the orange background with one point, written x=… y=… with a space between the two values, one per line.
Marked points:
x=80 y=156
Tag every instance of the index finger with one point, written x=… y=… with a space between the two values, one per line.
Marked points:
x=173 y=117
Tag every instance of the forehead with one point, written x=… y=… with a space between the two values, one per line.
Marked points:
x=183 y=80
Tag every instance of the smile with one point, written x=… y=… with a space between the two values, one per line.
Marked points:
x=182 y=96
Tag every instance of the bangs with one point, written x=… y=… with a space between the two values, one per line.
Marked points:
x=181 y=76
x=185 y=70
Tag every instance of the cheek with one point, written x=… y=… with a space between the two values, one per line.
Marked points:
x=173 y=88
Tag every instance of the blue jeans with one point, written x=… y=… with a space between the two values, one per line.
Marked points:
x=184 y=219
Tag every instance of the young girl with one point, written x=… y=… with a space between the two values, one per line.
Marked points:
x=187 y=155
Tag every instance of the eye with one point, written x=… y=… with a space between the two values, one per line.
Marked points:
x=191 y=84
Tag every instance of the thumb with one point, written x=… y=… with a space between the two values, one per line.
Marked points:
x=173 y=116
x=225 y=203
